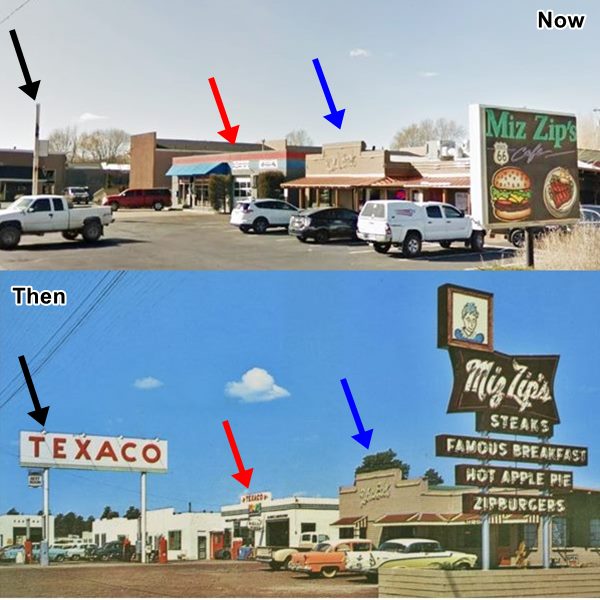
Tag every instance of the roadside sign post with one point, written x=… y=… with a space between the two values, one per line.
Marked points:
x=44 y=559
x=36 y=155
x=530 y=248
x=144 y=523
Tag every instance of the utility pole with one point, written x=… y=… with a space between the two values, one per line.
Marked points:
x=36 y=153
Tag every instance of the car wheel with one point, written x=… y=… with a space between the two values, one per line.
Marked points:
x=462 y=567
x=329 y=572
x=372 y=578
x=381 y=248
x=445 y=244
x=286 y=563
x=157 y=206
x=226 y=555
x=517 y=238
x=10 y=237
x=411 y=247
x=92 y=231
x=275 y=566
x=114 y=206
x=260 y=225
x=477 y=240
x=75 y=557
x=245 y=228
x=301 y=238
x=321 y=236
x=60 y=558
x=70 y=235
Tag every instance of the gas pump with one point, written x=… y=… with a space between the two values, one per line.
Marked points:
x=28 y=552
x=162 y=550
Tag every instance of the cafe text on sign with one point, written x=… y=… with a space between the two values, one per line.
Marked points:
x=93 y=452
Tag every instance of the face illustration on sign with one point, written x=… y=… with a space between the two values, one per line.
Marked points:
x=469 y=318
x=465 y=318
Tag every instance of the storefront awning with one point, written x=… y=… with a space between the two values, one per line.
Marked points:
x=332 y=181
x=447 y=519
x=194 y=169
x=350 y=522
x=439 y=182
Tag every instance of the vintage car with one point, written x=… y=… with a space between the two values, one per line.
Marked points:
x=328 y=558
x=408 y=553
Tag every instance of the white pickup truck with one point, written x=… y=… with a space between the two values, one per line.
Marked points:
x=37 y=215
x=277 y=556
x=400 y=223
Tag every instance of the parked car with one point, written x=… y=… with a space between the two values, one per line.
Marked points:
x=78 y=194
x=328 y=558
x=589 y=217
x=114 y=551
x=592 y=207
x=156 y=198
x=9 y=553
x=37 y=215
x=324 y=224
x=72 y=551
x=408 y=552
x=406 y=225
x=278 y=557
x=261 y=214
x=56 y=553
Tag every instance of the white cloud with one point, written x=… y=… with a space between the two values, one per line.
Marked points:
x=85 y=117
x=256 y=385
x=359 y=53
x=428 y=74
x=147 y=383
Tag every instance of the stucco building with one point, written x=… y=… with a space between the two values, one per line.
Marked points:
x=381 y=506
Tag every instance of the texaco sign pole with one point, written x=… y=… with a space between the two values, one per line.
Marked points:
x=144 y=558
x=46 y=520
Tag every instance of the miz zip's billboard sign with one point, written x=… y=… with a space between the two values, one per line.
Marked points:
x=523 y=167
x=93 y=452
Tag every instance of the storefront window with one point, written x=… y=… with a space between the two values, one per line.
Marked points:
x=325 y=197
x=174 y=540
x=595 y=533
x=530 y=535
x=346 y=533
x=559 y=532
x=306 y=527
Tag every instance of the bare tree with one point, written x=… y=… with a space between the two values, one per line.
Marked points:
x=110 y=145
x=416 y=134
x=64 y=141
x=299 y=137
x=588 y=131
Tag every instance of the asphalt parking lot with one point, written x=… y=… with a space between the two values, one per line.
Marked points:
x=145 y=239
x=189 y=579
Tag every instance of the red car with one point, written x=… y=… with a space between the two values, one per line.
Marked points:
x=156 y=198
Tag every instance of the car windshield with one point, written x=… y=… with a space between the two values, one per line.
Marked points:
x=322 y=547
x=23 y=202
x=392 y=547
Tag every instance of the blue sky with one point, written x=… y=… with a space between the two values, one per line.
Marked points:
x=196 y=333
x=143 y=65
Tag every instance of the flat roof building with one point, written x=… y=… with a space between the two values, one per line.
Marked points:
x=15 y=528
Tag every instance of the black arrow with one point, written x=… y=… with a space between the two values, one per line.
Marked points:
x=39 y=414
x=30 y=87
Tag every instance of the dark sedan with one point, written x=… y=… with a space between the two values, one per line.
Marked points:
x=324 y=224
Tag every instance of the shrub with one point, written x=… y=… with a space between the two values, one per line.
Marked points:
x=219 y=187
x=268 y=184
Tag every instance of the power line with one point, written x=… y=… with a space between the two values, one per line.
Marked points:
x=14 y=11
x=102 y=295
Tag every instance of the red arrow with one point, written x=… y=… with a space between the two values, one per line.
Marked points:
x=244 y=475
x=229 y=133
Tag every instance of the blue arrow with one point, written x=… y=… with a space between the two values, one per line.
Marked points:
x=336 y=116
x=362 y=437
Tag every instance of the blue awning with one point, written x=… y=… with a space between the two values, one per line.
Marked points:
x=191 y=169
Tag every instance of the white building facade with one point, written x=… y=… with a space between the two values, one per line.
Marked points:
x=264 y=521
x=14 y=529
x=189 y=535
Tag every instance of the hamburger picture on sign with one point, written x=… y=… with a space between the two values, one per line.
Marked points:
x=523 y=167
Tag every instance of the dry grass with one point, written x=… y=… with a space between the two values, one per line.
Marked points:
x=578 y=250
